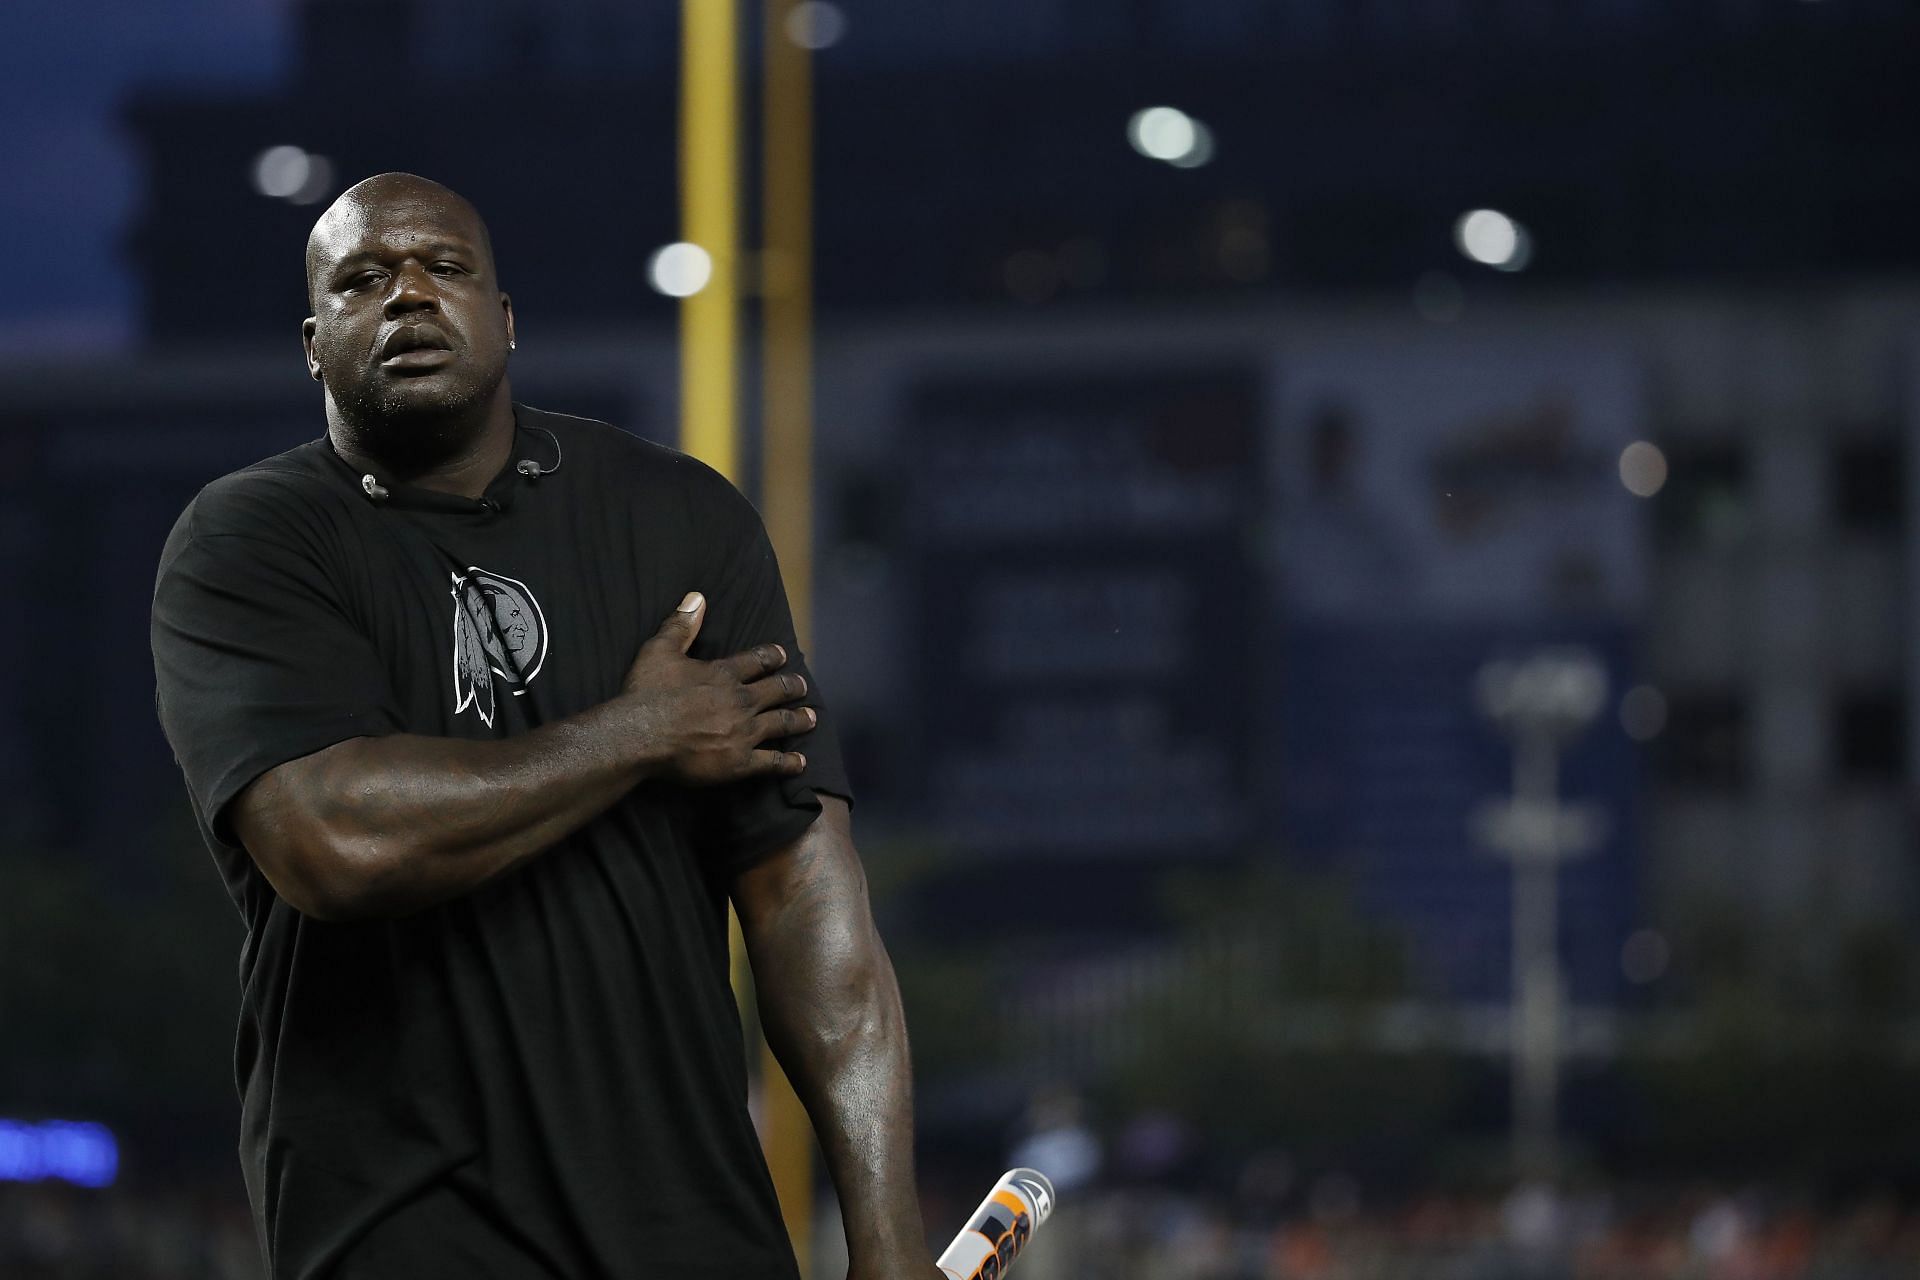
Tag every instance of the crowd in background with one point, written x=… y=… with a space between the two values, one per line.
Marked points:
x=1327 y=1229
x=1649 y=1233
x=182 y=1230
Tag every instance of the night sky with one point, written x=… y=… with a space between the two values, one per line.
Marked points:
x=72 y=176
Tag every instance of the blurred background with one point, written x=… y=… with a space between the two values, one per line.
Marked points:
x=1361 y=548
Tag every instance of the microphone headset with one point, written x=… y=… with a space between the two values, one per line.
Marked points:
x=533 y=470
x=527 y=467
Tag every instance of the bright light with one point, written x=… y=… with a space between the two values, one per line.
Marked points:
x=816 y=24
x=1199 y=153
x=79 y=1152
x=679 y=270
x=1555 y=690
x=1643 y=469
x=1170 y=134
x=1493 y=239
x=319 y=181
x=292 y=174
x=281 y=171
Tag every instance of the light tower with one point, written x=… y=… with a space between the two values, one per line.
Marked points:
x=1540 y=703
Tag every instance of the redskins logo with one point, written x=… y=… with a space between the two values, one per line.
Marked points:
x=499 y=639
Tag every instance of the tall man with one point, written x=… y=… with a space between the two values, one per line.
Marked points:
x=481 y=810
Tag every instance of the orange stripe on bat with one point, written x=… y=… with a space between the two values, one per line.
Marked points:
x=993 y=1251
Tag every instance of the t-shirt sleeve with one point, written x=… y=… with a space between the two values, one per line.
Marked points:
x=255 y=664
x=743 y=822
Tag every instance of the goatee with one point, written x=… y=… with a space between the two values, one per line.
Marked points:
x=411 y=434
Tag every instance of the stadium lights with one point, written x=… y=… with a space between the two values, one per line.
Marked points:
x=1493 y=239
x=1643 y=469
x=1170 y=135
x=679 y=270
x=816 y=24
x=292 y=174
x=1541 y=701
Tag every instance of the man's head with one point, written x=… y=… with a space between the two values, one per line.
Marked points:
x=409 y=331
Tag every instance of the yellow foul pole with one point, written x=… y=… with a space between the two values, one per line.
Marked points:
x=787 y=283
x=709 y=389
x=710 y=218
x=786 y=399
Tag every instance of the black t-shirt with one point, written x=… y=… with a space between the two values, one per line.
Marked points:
x=544 y=1078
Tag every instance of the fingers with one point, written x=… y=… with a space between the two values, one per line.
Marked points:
x=788 y=764
x=776 y=689
x=683 y=624
x=784 y=723
x=749 y=666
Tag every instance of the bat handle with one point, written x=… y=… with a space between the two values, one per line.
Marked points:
x=1000 y=1228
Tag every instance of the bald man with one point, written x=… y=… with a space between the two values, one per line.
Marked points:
x=486 y=713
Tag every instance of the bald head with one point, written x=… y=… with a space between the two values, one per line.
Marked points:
x=346 y=221
x=410 y=331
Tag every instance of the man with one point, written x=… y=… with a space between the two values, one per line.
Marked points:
x=483 y=850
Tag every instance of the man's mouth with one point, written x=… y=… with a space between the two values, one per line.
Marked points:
x=420 y=358
x=415 y=346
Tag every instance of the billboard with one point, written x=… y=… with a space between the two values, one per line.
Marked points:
x=1085 y=606
x=1445 y=500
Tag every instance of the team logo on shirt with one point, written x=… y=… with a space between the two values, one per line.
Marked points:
x=499 y=638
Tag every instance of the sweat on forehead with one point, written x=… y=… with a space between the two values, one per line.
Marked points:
x=347 y=219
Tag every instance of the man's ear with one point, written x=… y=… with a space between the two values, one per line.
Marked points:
x=506 y=305
x=307 y=327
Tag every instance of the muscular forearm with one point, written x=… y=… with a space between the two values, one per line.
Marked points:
x=831 y=1009
x=847 y=1058
x=376 y=827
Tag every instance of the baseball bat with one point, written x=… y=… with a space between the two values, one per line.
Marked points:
x=1000 y=1228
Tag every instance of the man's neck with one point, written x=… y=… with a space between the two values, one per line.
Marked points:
x=466 y=472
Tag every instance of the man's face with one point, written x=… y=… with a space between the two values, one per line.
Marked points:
x=409 y=322
x=510 y=621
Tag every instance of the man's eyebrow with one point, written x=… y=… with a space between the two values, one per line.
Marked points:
x=435 y=249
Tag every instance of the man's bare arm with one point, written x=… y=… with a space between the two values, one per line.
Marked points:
x=377 y=827
x=831 y=1009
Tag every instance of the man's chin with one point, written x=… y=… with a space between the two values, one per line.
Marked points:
x=415 y=421
x=429 y=390
x=435 y=393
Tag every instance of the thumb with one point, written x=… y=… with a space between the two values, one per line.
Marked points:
x=683 y=624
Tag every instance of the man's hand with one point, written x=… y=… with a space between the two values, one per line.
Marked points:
x=376 y=827
x=703 y=722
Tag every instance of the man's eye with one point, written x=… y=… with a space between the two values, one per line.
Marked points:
x=363 y=280
x=448 y=269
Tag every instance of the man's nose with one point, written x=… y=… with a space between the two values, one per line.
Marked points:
x=412 y=290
